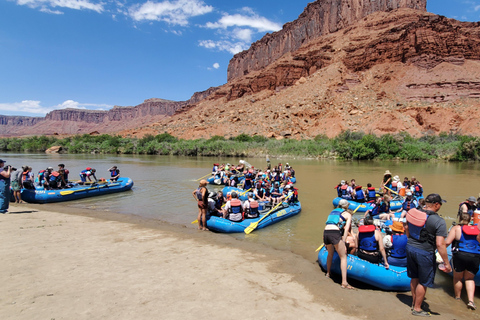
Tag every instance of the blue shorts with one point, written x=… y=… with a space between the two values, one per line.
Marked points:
x=421 y=265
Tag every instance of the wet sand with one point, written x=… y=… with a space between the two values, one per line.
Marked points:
x=101 y=265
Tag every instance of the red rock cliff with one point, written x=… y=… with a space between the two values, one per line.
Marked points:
x=319 y=18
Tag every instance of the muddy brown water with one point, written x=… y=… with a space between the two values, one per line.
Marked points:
x=163 y=186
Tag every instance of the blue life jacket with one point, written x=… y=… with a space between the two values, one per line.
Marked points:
x=372 y=194
x=399 y=244
x=409 y=204
x=274 y=189
x=114 y=173
x=418 y=231
x=379 y=209
x=366 y=238
x=335 y=217
x=339 y=191
x=418 y=191
x=253 y=209
x=470 y=208
x=359 y=195
x=235 y=206
x=468 y=241
x=199 y=194
x=260 y=192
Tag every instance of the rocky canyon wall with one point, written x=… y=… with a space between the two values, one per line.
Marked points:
x=319 y=18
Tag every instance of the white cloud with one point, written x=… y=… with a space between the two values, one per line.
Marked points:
x=173 y=12
x=46 y=5
x=34 y=107
x=238 y=30
x=224 y=45
x=216 y=65
x=477 y=8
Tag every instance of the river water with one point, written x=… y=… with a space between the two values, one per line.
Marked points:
x=163 y=187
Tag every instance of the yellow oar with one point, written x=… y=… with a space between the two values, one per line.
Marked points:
x=242 y=193
x=360 y=206
x=203 y=177
x=392 y=191
x=254 y=225
x=68 y=192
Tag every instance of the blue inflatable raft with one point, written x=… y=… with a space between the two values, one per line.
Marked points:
x=76 y=192
x=394 y=205
x=281 y=213
x=393 y=279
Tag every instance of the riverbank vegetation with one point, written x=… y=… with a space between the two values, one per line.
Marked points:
x=348 y=145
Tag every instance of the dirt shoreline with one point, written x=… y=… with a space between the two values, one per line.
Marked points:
x=79 y=264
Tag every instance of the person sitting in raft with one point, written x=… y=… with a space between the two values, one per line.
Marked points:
x=396 y=245
x=468 y=206
x=248 y=182
x=370 y=244
x=63 y=175
x=465 y=242
x=87 y=173
x=251 y=207
x=345 y=190
x=291 y=192
x=406 y=183
x=417 y=189
x=27 y=178
x=54 y=180
x=114 y=173
x=234 y=209
x=215 y=168
x=233 y=182
x=359 y=194
x=381 y=210
x=387 y=181
x=276 y=193
x=334 y=237
x=397 y=186
x=201 y=195
x=409 y=203
x=211 y=201
x=259 y=192
x=371 y=193
x=219 y=203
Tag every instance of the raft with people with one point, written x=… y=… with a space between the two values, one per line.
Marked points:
x=282 y=212
x=392 y=279
x=367 y=206
x=77 y=191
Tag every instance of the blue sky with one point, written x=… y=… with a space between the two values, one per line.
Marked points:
x=99 y=53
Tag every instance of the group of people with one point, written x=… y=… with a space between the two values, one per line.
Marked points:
x=270 y=187
x=411 y=244
x=48 y=178
x=232 y=176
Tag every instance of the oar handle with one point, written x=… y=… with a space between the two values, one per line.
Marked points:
x=254 y=225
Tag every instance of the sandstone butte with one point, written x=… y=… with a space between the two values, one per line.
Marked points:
x=385 y=69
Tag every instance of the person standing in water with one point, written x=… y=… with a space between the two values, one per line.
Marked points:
x=201 y=195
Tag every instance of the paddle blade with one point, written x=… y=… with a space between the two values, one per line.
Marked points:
x=320 y=248
x=66 y=193
x=196 y=221
x=251 y=227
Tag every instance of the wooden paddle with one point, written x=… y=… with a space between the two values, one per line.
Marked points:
x=254 y=225
x=360 y=206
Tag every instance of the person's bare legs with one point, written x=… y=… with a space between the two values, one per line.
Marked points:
x=420 y=292
x=342 y=253
x=457 y=283
x=331 y=251
x=199 y=219
x=204 y=219
x=469 y=284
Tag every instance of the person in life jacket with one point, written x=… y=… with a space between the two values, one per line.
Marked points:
x=276 y=193
x=114 y=173
x=63 y=175
x=359 y=194
x=396 y=245
x=27 y=178
x=370 y=244
x=215 y=168
x=387 y=181
x=54 y=180
x=338 y=223
x=381 y=210
x=234 y=209
x=201 y=196
x=233 y=182
x=259 y=192
x=417 y=189
x=248 y=183
x=219 y=202
x=251 y=207
x=426 y=232
x=467 y=206
x=46 y=177
x=371 y=193
x=409 y=203
x=465 y=240
x=344 y=190
x=87 y=173
x=16 y=184
x=41 y=177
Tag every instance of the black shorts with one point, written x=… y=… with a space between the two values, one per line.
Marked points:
x=373 y=258
x=462 y=261
x=332 y=237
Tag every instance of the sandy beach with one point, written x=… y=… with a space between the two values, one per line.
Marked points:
x=111 y=266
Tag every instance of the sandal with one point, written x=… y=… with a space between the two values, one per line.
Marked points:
x=347 y=286
x=421 y=313
x=471 y=305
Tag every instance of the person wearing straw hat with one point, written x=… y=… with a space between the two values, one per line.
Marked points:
x=387 y=181
x=395 y=245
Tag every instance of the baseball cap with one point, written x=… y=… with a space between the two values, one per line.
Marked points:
x=434 y=198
